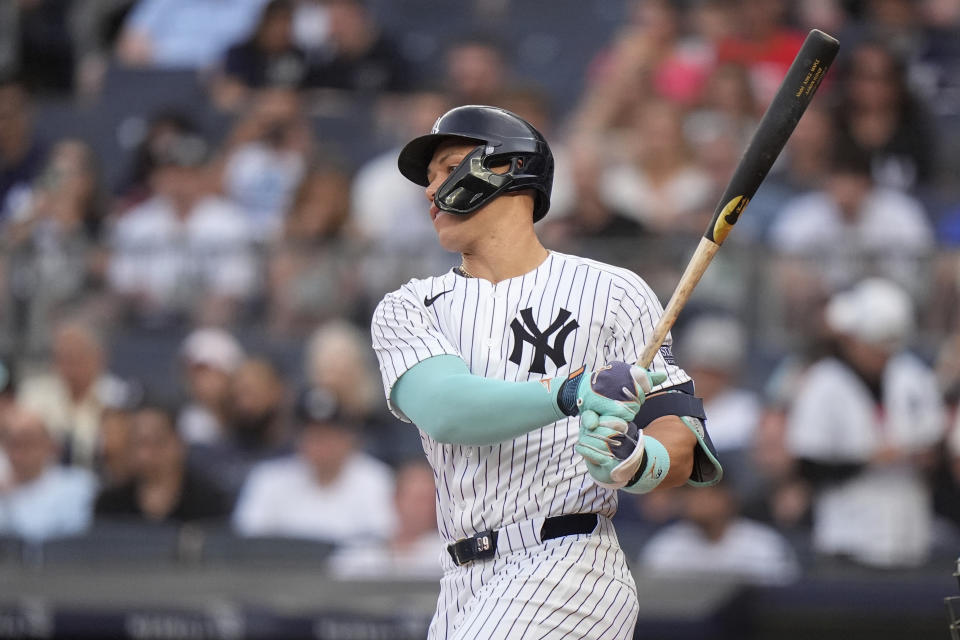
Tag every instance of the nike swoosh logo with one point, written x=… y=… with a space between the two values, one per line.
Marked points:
x=427 y=301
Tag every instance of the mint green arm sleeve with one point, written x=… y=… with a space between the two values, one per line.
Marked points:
x=453 y=406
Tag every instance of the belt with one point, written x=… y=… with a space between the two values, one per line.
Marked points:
x=483 y=545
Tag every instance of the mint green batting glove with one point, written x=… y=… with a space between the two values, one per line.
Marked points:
x=601 y=438
x=616 y=389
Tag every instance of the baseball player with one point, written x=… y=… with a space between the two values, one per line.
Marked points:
x=514 y=367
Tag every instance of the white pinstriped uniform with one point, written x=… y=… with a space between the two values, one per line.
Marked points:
x=571 y=587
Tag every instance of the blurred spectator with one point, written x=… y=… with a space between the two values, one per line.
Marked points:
x=763 y=43
x=210 y=357
x=880 y=114
x=53 y=242
x=780 y=497
x=268 y=58
x=477 y=70
x=162 y=129
x=714 y=541
x=799 y=170
x=256 y=425
x=313 y=271
x=714 y=350
x=189 y=34
x=659 y=185
x=414 y=546
x=338 y=359
x=727 y=104
x=265 y=159
x=328 y=490
x=359 y=56
x=184 y=250
x=163 y=487
x=21 y=155
x=404 y=226
x=851 y=227
x=649 y=56
x=41 y=498
x=70 y=397
x=114 y=465
x=119 y=400
x=864 y=424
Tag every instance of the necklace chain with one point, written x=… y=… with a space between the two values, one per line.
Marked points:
x=464 y=271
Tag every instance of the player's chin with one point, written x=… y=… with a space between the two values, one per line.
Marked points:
x=451 y=230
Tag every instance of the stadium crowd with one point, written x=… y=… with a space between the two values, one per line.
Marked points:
x=184 y=316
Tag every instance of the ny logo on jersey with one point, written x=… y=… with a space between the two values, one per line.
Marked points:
x=541 y=339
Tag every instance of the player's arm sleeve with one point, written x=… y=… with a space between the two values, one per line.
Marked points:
x=428 y=383
x=634 y=317
x=446 y=401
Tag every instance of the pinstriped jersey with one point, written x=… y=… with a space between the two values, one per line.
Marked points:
x=566 y=313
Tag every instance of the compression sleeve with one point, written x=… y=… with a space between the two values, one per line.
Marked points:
x=453 y=406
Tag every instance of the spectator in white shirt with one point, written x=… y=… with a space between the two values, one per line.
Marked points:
x=185 y=250
x=829 y=239
x=328 y=490
x=414 y=547
x=713 y=540
x=40 y=499
x=864 y=425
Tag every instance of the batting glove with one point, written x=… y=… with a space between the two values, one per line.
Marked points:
x=611 y=448
x=616 y=389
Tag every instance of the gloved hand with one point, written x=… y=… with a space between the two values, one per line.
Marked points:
x=616 y=389
x=612 y=448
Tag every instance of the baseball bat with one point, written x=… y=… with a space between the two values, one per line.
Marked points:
x=778 y=122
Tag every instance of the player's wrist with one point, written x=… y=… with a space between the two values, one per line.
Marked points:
x=568 y=396
x=653 y=469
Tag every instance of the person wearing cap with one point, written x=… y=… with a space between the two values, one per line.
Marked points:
x=864 y=425
x=328 y=490
x=210 y=357
x=185 y=250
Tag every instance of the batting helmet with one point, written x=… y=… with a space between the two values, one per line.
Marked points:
x=502 y=137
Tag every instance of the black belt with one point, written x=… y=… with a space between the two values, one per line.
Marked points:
x=484 y=544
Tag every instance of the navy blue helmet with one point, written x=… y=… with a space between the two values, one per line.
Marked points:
x=502 y=138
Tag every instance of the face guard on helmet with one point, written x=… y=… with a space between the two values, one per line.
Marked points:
x=502 y=138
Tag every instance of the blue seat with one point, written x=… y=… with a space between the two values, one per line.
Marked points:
x=109 y=542
x=224 y=546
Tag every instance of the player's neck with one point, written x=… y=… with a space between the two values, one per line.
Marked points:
x=505 y=255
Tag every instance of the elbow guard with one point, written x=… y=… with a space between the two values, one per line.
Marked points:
x=680 y=401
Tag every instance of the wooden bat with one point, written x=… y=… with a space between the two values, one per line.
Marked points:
x=791 y=100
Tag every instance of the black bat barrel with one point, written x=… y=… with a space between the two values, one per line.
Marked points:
x=779 y=121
